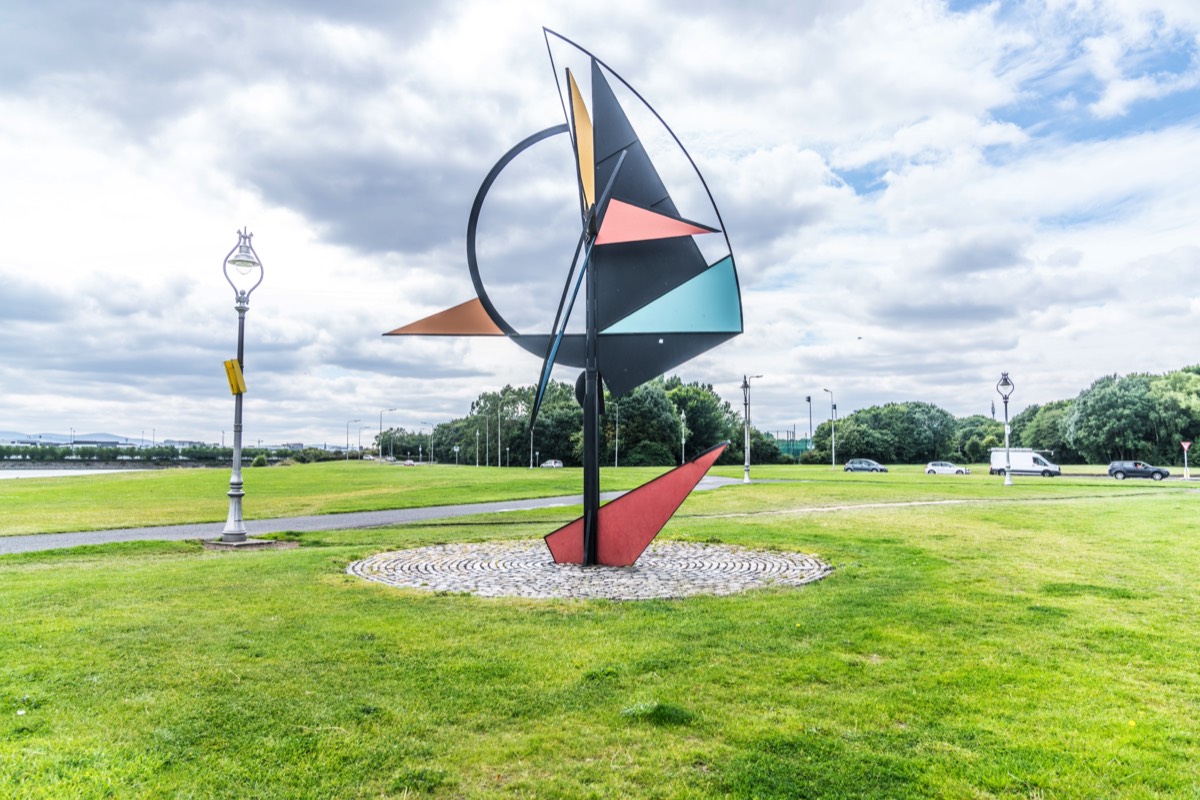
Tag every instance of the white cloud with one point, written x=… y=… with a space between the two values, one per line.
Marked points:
x=995 y=228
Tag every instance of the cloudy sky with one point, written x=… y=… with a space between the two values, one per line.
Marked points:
x=919 y=195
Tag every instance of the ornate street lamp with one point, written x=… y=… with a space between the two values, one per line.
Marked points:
x=246 y=275
x=1005 y=387
x=746 y=395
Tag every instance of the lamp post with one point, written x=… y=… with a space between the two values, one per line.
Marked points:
x=746 y=396
x=477 y=447
x=617 y=441
x=531 y=447
x=430 y=441
x=381 y=431
x=808 y=399
x=682 y=435
x=1005 y=387
x=499 y=406
x=507 y=460
x=832 y=430
x=245 y=277
x=348 y=423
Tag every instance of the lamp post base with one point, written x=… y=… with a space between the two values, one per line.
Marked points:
x=235 y=526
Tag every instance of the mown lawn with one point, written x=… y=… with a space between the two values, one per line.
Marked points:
x=1038 y=642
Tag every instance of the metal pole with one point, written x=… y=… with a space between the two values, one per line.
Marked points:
x=746 y=396
x=348 y=422
x=682 y=435
x=235 y=526
x=617 y=443
x=1005 y=388
x=832 y=430
x=531 y=447
x=1007 y=450
x=381 y=432
x=808 y=398
x=477 y=447
x=591 y=426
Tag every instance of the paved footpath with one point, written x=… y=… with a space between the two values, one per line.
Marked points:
x=323 y=522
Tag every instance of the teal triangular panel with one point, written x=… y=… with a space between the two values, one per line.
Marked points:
x=708 y=303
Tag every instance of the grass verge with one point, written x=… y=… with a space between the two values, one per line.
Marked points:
x=1040 y=645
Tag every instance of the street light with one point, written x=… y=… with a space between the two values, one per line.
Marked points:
x=245 y=277
x=430 y=440
x=832 y=430
x=348 y=422
x=1005 y=387
x=381 y=431
x=477 y=447
x=746 y=395
x=507 y=460
x=808 y=399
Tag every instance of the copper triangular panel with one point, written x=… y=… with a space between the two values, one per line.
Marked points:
x=625 y=222
x=465 y=319
x=627 y=525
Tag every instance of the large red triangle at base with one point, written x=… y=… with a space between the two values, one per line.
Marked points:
x=627 y=525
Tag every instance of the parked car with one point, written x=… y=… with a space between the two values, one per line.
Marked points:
x=553 y=463
x=945 y=468
x=1136 y=469
x=863 y=465
x=408 y=462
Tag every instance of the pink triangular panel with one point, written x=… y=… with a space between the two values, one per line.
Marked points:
x=628 y=524
x=629 y=223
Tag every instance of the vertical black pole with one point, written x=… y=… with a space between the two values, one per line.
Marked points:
x=591 y=428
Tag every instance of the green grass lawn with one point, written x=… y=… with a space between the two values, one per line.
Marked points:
x=1034 y=641
x=173 y=496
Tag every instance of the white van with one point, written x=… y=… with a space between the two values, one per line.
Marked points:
x=1024 y=462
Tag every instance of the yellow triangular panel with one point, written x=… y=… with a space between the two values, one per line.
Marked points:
x=584 y=148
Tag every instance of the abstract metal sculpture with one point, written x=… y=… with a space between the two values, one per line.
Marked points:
x=658 y=290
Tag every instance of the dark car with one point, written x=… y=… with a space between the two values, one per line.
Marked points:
x=1136 y=469
x=863 y=465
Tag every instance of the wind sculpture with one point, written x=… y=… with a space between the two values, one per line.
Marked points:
x=658 y=290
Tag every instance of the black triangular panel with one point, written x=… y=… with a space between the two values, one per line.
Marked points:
x=630 y=275
x=638 y=181
x=627 y=360
x=570 y=349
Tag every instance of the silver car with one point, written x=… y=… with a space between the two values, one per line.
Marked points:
x=945 y=468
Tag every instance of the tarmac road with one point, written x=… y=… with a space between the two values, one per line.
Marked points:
x=324 y=522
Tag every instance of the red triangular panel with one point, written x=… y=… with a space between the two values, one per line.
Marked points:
x=466 y=319
x=627 y=525
x=624 y=222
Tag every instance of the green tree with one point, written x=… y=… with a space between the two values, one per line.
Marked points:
x=710 y=420
x=1046 y=430
x=1113 y=419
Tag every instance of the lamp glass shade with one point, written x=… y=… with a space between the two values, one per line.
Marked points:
x=244 y=261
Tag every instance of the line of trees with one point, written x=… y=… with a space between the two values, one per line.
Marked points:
x=204 y=454
x=1136 y=416
x=647 y=421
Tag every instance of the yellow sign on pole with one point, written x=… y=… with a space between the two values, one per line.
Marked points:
x=233 y=371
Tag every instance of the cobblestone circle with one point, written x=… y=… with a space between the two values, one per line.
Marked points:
x=525 y=569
